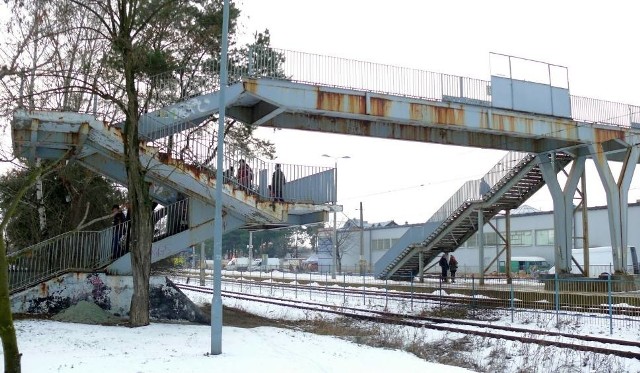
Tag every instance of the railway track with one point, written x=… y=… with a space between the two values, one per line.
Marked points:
x=417 y=296
x=608 y=346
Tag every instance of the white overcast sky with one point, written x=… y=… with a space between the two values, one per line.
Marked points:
x=595 y=40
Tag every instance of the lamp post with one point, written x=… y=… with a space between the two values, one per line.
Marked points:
x=216 y=301
x=335 y=202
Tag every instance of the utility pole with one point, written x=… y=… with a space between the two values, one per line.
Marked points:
x=362 y=261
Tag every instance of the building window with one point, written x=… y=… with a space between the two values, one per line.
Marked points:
x=545 y=237
x=521 y=238
x=491 y=239
x=383 y=243
x=471 y=242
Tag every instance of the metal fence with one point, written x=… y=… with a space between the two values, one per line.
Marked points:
x=604 y=302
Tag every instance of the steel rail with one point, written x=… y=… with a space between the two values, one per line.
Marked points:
x=440 y=324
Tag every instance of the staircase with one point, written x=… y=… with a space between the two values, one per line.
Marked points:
x=179 y=168
x=506 y=186
x=80 y=251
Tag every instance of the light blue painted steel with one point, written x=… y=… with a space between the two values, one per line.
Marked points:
x=617 y=200
x=326 y=109
x=562 y=208
x=185 y=114
x=506 y=186
x=59 y=132
x=178 y=242
x=315 y=187
x=402 y=247
x=530 y=97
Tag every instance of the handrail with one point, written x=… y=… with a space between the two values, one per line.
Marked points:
x=185 y=83
x=470 y=192
x=86 y=250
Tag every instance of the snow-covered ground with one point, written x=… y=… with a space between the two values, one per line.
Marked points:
x=52 y=346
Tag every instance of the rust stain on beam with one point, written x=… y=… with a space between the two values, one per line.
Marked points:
x=380 y=107
x=436 y=114
x=604 y=135
x=340 y=102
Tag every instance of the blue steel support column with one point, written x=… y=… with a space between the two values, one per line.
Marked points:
x=617 y=200
x=480 y=236
x=421 y=265
x=562 y=208
x=216 y=302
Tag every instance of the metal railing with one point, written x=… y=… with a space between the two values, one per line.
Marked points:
x=57 y=255
x=474 y=190
x=373 y=77
x=86 y=250
x=183 y=84
x=196 y=148
x=470 y=192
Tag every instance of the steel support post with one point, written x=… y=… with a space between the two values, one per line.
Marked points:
x=362 y=261
x=250 y=249
x=480 y=236
x=585 y=224
x=421 y=266
x=562 y=207
x=507 y=245
x=203 y=264
x=617 y=200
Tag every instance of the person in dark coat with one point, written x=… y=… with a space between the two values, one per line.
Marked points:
x=453 y=267
x=118 y=231
x=245 y=175
x=444 y=264
x=277 y=183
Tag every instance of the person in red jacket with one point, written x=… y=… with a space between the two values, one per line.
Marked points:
x=453 y=267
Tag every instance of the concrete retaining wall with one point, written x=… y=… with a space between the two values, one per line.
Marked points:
x=111 y=293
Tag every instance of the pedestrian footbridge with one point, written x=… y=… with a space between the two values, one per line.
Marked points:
x=544 y=127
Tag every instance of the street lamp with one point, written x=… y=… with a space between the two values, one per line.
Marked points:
x=335 y=202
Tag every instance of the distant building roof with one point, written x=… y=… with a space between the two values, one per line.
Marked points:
x=355 y=223
x=524 y=209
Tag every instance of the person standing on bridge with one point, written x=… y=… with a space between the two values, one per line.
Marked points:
x=245 y=175
x=277 y=183
x=444 y=265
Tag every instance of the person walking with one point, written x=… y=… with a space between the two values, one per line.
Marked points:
x=277 y=183
x=453 y=267
x=444 y=265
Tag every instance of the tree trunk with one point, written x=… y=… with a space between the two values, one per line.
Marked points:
x=141 y=221
x=7 y=331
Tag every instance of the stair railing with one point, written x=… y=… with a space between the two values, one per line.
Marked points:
x=86 y=250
